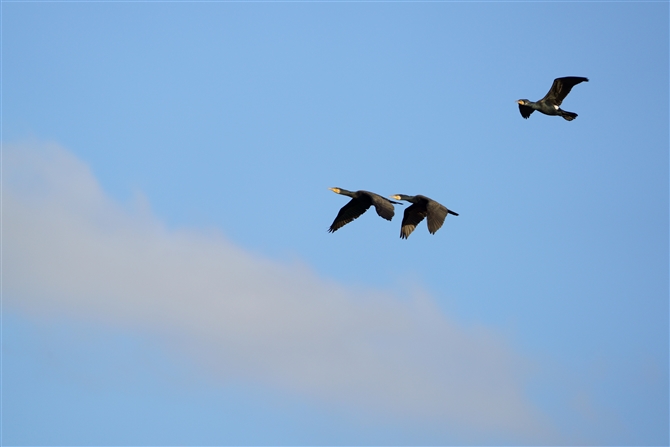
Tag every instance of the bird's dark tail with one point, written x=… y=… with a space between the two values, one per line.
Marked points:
x=569 y=116
x=451 y=212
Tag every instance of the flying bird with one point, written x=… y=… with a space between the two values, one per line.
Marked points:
x=421 y=207
x=359 y=203
x=550 y=104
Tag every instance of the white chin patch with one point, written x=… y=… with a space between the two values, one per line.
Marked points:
x=555 y=107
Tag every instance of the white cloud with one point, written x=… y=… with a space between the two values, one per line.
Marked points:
x=70 y=250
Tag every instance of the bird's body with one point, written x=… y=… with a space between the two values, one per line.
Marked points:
x=359 y=203
x=550 y=104
x=420 y=208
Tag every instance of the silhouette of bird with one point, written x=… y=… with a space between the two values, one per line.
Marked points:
x=421 y=207
x=550 y=104
x=359 y=203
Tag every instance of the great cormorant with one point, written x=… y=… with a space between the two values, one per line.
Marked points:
x=421 y=207
x=359 y=203
x=549 y=105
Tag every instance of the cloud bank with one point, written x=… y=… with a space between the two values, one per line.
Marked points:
x=69 y=250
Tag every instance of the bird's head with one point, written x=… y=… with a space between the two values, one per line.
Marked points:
x=401 y=197
x=522 y=102
x=335 y=190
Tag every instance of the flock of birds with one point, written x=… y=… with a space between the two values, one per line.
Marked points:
x=425 y=207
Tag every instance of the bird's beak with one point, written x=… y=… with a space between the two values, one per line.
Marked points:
x=396 y=197
x=520 y=102
x=335 y=190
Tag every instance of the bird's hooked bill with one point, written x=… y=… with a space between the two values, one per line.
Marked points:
x=397 y=198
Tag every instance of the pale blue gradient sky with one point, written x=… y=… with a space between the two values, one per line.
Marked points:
x=214 y=129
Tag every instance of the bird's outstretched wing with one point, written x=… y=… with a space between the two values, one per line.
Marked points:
x=383 y=205
x=525 y=111
x=560 y=89
x=349 y=212
x=436 y=215
x=414 y=214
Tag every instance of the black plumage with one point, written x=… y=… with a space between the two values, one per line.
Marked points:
x=550 y=104
x=420 y=208
x=359 y=203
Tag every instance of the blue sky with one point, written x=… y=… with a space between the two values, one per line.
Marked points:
x=167 y=273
